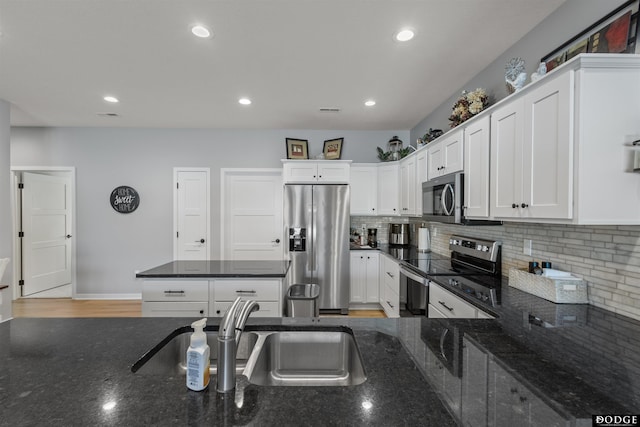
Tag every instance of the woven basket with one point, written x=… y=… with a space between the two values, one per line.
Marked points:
x=558 y=286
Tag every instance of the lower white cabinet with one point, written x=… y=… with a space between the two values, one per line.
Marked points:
x=390 y=286
x=266 y=292
x=175 y=298
x=511 y=403
x=209 y=298
x=365 y=277
x=475 y=365
x=444 y=304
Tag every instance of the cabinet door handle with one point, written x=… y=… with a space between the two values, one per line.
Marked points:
x=524 y=205
x=390 y=305
x=390 y=275
x=201 y=312
x=174 y=292
x=445 y=306
x=513 y=206
x=240 y=291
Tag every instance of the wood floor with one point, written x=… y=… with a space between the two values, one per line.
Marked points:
x=66 y=307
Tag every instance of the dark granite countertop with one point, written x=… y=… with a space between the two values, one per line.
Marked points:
x=579 y=360
x=62 y=372
x=217 y=268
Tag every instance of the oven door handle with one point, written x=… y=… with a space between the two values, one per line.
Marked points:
x=413 y=276
x=443 y=336
x=449 y=188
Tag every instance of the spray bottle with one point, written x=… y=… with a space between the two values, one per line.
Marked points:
x=198 y=357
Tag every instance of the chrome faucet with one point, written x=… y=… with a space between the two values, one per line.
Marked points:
x=229 y=334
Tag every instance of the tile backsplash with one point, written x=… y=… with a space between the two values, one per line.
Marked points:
x=606 y=257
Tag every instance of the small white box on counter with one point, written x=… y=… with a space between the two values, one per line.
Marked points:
x=553 y=285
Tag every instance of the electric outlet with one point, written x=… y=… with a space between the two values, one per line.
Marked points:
x=527 y=247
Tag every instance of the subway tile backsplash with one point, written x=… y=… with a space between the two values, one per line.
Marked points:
x=606 y=257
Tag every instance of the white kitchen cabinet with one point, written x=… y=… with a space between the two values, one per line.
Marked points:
x=532 y=153
x=475 y=366
x=364 y=189
x=408 y=183
x=175 y=298
x=445 y=304
x=445 y=155
x=444 y=382
x=365 y=277
x=316 y=171
x=421 y=176
x=388 y=190
x=390 y=286
x=267 y=293
x=511 y=403
x=477 y=142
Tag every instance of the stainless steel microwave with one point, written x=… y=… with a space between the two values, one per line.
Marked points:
x=442 y=198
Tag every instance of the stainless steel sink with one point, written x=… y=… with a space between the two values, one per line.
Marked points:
x=307 y=358
x=171 y=359
x=317 y=357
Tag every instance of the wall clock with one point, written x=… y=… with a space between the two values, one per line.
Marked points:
x=124 y=199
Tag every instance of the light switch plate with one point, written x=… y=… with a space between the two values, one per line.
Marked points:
x=527 y=247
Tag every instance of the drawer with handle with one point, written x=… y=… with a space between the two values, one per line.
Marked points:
x=175 y=309
x=260 y=290
x=175 y=290
x=449 y=304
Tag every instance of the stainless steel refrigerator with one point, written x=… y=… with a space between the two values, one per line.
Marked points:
x=316 y=220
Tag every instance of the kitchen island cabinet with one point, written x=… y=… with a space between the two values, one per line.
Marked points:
x=207 y=288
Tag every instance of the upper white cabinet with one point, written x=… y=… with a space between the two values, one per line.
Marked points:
x=421 y=176
x=476 y=168
x=445 y=155
x=316 y=171
x=364 y=189
x=532 y=153
x=408 y=183
x=388 y=189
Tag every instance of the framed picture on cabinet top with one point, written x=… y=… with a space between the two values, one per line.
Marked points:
x=333 y=148
x=615 y=33
x=297 y=148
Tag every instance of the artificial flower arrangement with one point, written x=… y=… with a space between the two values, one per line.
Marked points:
x=468 y=105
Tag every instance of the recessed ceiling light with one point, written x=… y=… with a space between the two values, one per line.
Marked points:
x=404 y=35
x=370 y=103
x=200 y=31
x=111 y=99
x=244 y=101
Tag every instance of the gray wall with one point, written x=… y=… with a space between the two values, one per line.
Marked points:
x=5 y=208
x=567 y=21
x=110 y=247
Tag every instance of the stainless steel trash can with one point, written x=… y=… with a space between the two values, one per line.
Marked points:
x=302 y=300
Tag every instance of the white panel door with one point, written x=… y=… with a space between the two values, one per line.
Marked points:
x=192 y=232
x=252 y=218
x=46 y=223
x=476 y=168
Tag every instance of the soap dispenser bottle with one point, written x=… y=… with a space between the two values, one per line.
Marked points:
x=198 y=357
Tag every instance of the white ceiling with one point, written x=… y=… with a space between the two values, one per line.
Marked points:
x=58 y=58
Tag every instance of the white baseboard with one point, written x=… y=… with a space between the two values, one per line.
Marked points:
x=109 y=296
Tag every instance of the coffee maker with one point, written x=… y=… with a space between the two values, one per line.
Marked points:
x=372 y=237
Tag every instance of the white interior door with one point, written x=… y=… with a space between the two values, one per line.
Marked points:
x=192 y=233
x=46 y=223
x=252 y=214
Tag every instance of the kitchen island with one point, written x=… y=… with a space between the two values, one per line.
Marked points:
x=542 y=363
x=207 y=288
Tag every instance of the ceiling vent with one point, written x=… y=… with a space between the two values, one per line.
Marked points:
x=330 y=110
